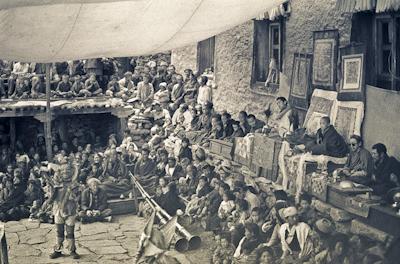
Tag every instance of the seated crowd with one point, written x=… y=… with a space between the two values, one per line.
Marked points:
x=249 y=225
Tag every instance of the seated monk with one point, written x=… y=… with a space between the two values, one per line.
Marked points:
x=115 y=178
x=255 y=125
x=359 y=164
x=328 y=141
x=145 y=171
x=386 y=171
x=94 y=206
x=285 y=120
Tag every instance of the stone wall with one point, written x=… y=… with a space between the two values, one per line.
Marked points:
x=185 y=58
x=308 y=16
x=234 y=53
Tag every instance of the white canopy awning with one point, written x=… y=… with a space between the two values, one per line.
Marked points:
x=60 y=30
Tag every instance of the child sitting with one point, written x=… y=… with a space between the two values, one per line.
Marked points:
x=224 y=253
x=93 y=86
x=227 y=206
x=185 y=151
x=64 y=87
x=113 y=88
x=78 y=88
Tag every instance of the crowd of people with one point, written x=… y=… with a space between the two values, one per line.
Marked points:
x=249 y=225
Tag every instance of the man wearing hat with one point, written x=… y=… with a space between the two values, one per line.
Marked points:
x=295 y=237
x=65 y=206
x=94 y=205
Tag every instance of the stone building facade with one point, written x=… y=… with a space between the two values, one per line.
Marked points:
x=234 y=63
x=234 y=54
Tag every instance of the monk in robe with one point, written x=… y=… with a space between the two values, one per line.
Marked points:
x=285 y=120
x=115 y=178
x=145 y=171
x=328 y=141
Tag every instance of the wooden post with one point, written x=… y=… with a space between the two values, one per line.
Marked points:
x=47 y=126
x=12 y=134
x=3 y=246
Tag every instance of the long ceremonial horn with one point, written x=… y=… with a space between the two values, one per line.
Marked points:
x=181 y=244
x=194 y=241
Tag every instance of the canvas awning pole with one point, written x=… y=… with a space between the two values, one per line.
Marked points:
x=47 y=125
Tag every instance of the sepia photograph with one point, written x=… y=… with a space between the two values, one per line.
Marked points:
x=199 y=131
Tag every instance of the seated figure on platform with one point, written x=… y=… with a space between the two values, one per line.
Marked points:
x=78 y=88
x=255 y=125
x=328 y=141
x=94 y=206
x=285 y=120
x=359 y=164
x=386 y=172
x=93 y=86
x=22 y=88
x=64 y=87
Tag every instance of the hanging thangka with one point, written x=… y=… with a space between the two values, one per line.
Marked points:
x=352 y=78
x=300 y=85
x=325 y=59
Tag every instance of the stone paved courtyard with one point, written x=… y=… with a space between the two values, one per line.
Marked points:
x=106 y=243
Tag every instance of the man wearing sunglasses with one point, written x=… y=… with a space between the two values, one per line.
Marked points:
x=359 y=166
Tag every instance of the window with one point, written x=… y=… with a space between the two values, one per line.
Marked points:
x=387 y=53
x=267 y=46
x=381 y=35
x=205 y=54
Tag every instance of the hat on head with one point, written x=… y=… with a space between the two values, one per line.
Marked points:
x=162 y=84
x=290 y=211
x=163 y=63
x=128 y=73
x=93 y=180
x=155 y=102
x=200 y=154
x=324 y=226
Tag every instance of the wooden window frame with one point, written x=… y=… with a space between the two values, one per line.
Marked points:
x=259 y=85
x=198 y=53
x=381 y=77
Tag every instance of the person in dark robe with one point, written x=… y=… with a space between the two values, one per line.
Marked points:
x=145 y=171
x=386 y=172
x=170 y=200
x=94 y=205
x=226 y=120
x=243 y=122
x=328 y=141
x=236 y=131
x=185 y=151
x=115 y=178
x=255 y=125
x=359 y=165
x=206 y=116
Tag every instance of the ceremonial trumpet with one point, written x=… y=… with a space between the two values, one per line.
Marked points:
x=185 y=240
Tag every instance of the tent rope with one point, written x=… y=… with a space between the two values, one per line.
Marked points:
x=180 y=28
